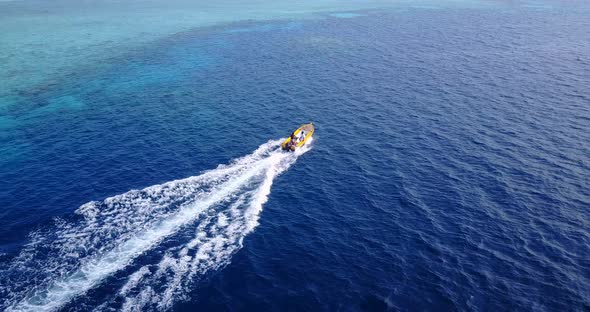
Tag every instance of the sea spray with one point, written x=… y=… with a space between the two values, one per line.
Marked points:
x=221 y=206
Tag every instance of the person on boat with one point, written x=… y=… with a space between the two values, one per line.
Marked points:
x=293 y=139
x=301 y=136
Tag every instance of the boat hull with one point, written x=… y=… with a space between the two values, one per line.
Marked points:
x=308 y=130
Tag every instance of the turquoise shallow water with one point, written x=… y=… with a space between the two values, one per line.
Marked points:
x=450 y=168
x=42 y=41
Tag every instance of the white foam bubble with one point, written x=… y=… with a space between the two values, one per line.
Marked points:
x=134 y=280
x=225 y=202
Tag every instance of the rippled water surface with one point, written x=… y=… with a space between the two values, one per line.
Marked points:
x=450 y=169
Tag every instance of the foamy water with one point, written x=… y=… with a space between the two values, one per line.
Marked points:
x=220 y=207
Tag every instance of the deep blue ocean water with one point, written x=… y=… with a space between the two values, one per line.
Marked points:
x=450 y=169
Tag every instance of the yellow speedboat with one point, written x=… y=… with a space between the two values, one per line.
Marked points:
x=299 y=137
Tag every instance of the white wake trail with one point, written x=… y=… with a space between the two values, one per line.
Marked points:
x=225 y=203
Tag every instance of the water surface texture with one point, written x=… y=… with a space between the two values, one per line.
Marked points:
x=450 y=169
